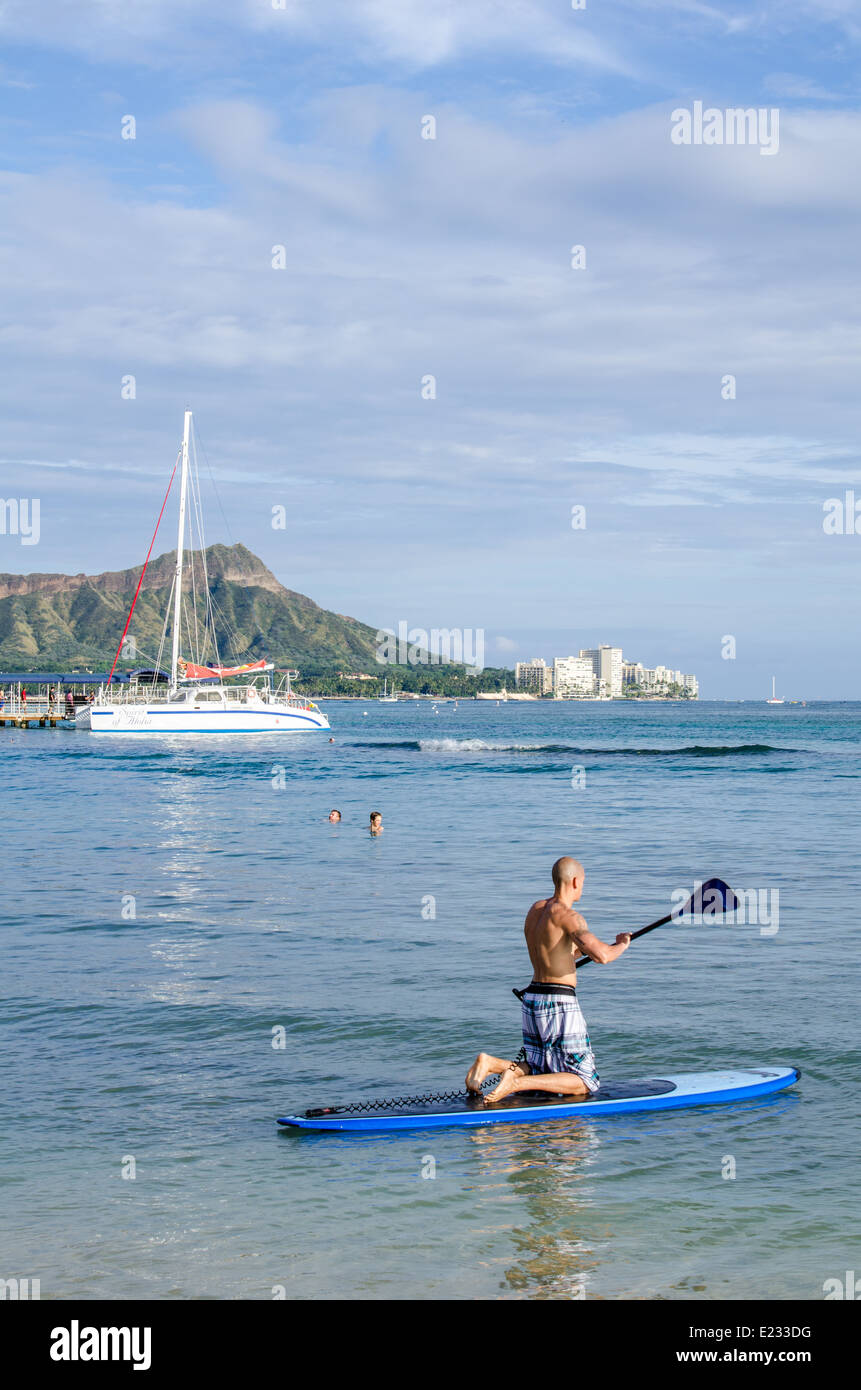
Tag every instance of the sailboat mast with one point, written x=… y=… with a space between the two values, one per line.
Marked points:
x=177 y=594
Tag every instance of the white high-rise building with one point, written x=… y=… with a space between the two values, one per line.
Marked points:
x=604 y=672
x=573 y=678
x=534 y=675
x=607 y=668
x=666 y=676
x=659 y=680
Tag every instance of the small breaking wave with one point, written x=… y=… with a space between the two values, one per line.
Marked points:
x=481 y=745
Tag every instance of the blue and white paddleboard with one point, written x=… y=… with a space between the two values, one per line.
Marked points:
x=614 y=1098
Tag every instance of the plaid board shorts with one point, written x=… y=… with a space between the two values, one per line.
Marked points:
x=554 y=1033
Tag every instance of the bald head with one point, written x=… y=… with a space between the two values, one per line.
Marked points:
x=566 y=871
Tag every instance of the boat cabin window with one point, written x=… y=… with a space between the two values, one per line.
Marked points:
x=202 y=697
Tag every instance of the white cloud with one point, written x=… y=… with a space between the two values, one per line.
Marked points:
x=398 y=32
x=407 y=34
x=451 y=257
x=796 y=88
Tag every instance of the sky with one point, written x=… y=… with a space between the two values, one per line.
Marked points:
x=424 y=380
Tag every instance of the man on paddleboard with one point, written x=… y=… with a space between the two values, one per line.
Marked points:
x=559 y=1055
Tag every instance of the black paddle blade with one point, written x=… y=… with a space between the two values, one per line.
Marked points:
x=708 y=899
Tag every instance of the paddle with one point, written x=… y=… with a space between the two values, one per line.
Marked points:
x=709 y=898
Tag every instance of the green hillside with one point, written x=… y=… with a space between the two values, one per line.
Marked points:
x=60 y=622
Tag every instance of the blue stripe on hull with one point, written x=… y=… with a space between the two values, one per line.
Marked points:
x=207 y=732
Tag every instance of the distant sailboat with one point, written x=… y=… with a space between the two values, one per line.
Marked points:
x=386 y=698
x=775 y=699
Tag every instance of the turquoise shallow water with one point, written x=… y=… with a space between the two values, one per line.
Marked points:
x=151 y=1037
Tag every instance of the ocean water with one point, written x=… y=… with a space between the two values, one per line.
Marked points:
x=174 y=912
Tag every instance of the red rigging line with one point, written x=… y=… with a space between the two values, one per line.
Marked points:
x=143 y=572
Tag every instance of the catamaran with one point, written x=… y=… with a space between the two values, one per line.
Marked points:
x=197 y=699
x=386 y=698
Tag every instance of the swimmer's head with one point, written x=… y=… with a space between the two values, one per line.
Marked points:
x=568 y=873
x=335 y=816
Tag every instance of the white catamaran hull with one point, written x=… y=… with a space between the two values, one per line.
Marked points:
x=179 y=719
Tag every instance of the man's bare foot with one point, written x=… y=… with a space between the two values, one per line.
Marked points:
x=481 y=1068
x=506 y=1085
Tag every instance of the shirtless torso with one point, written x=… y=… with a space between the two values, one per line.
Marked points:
x=556 y=935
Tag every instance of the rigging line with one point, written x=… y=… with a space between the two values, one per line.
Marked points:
x=142 y=655
x=143 y=572
x=194 y=643
x=167 y=613
x=210 y=635
x=237 y=650
x=214 y=486
x=214 y=608
x=232 y=637
x=229 y=629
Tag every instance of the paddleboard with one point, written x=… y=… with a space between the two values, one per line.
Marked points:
x=613 y=1098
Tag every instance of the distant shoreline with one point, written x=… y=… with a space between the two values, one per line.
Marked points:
x=753 y=700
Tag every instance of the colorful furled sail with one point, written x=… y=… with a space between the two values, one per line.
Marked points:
x=190 y=672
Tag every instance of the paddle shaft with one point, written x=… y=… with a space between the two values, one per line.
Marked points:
x=661 y=922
